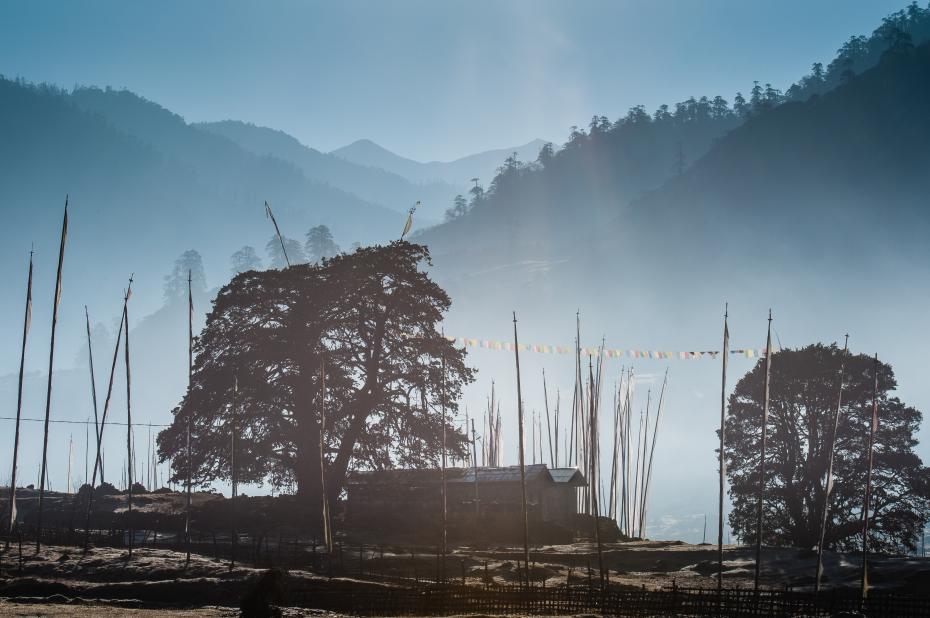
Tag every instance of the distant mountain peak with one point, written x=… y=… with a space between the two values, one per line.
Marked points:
x=458 y=172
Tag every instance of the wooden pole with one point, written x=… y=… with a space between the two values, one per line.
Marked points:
x=190 y=413
x=548 y=421
x=27 y=320
x=129 y=446
x=765 y=420
x=642 y=472
x=327 y=523
x=93 y=381
x=828 y=484
x=277 y=231
x=234 y=534
x=526 y=534
x=873 y=427
x=556 y=456
x=593 y=399
x=51 y=366
x=652 y=450
x=639 y=445
x=99 y=460
x=474 y=451
x=442 y=407
x=722 y=458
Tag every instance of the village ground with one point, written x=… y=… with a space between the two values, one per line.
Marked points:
x=60 y=581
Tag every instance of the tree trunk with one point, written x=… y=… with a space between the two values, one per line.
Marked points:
x=307 y=439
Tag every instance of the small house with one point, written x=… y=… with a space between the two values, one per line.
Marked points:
x=489 y=498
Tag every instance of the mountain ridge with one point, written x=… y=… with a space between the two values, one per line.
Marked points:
x=457 y=172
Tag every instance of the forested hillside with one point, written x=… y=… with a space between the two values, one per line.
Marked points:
x=372 y=184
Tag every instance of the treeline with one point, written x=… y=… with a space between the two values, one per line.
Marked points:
x=663 y=143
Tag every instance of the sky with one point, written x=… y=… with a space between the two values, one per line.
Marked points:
x=428 y=80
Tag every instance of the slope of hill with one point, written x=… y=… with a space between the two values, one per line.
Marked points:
x=482 y=165
x=372 y=184
x=816 y=209
x=849 y=166
x=144 y=186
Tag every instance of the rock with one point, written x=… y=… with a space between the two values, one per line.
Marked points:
x=705 y=567
x=263 y=599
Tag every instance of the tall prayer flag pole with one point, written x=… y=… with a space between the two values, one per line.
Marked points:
x=828 y=483
x=442 y=407
x=277 y=231
x=190 y=382
x=327 y=524
x=51 y=362
x=722 y=465
x=409 y=223
x=93 y=381
x=526 y=535
x=99 y=460
x=129 y=446
x=232 y=473
x=765 y=420
x=873 y=427
x=27 y=321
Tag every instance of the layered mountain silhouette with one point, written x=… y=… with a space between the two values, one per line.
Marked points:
x=790 y=180
x=457 y=173
x=371 y=183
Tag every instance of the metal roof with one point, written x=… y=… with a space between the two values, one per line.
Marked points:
x=508 y=474
x=571 y=476
x=408 y=476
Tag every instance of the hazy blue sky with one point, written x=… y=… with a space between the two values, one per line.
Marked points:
x=428 y=79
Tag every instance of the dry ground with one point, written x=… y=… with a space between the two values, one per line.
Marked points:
x=156 y=583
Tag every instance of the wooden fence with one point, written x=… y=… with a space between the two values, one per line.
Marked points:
x=438 y=600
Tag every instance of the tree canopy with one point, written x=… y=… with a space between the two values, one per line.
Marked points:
x=189 y=263
x=319 y=244
x=245 y=259
x=276 y=256
x=803 y=391
x=370 y=319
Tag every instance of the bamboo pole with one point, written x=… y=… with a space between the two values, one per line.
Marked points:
x=474 y=451
x=557 y=398
x=99 y=460
x=130 y=452
x=51 y=366
x=548 y=421
x=592 y=401
x=828 y=483
x=93 y=381
x=327 y=523
x=27 y=320
x=442 y=407
x=873 y=427
x=277 y=231
x=234 y=533
x=652 y=450
x=642 y=481
x=526 y=535
x=765 y=420
x=722 y=462
x=635 y=496
x=190 y=413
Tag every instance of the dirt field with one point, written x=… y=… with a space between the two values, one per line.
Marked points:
x=95 y=609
